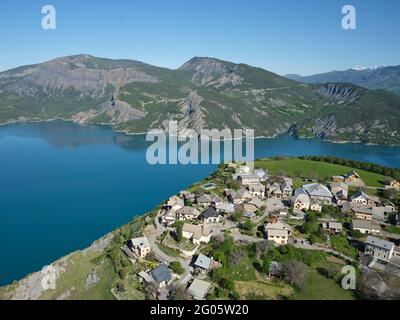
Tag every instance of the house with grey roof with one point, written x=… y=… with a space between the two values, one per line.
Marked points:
x=247 y=179
x=287 y=190
x=209 y=215
x=187 y=213
x=277 y=231
x=256 y=190
x=161 y=275
x=139 y=246
x=254 y=204
x=362 y=212
x=340 y=191
x=333 y=227
x=301 y=200
x=379 y=249
x=249 y=214
x=244 y=194
x=169 y=218
x=233 y=196
x=203 y=200
x=261 y=173
x=366 y=226
x=361 y=198
x=225 y=207
x=274 y=191
x=318 y=192
x=352 y=177
x=215 y=199
x=203 y=263
x=196 y=233
x=174 y=202
x=198 y=289
x=275 y=269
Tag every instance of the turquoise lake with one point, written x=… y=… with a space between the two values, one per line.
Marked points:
x=62 y=185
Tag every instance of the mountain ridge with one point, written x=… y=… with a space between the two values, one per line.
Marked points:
x=384 y=77
x=204 y=92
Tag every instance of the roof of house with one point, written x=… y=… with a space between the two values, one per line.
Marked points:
x=317 y=190
x=203 y=198
x=214 y=197
x=262 y=174
x=257 y=187
x=141 y=241
x=186 y=210
x=257 y=202
x=276 y=232
x=198 y=288
x=365 y=224
x=335 y=225
x=174 y=200
x=361 y=193
x=363 y=210
x=249 y=176
x=203 y=261
x=145 y=276
x=286 y=186
x=278 y=225
x=341 y=185
x=234 y=195
x=243 y=169
x=380 y=243
x=352 y=173
x=209 y=213
x=315 y=203
x=243 y=193
x=225 y=206
x=301 y=197
x=197 y=230
x=161 y=273
x=288 y=180
x=249 y=214
x=275 y=267
x=338 y=177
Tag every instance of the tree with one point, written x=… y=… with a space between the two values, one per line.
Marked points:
x=391 y=194
x=236 y=216
x=178 y=231
x=248 y=225
x=265 y=264
x=295 y=273
x=176 y=267
x=227 y=283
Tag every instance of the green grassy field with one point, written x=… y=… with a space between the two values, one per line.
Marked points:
x=321 y=288
x=341 y=244
x=322 y=170
x=265 y=289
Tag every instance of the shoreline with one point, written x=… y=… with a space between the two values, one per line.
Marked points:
x=126 y=132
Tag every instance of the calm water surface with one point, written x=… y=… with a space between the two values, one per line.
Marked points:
x=62 y=185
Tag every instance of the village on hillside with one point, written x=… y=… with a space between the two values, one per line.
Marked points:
x=239 y=205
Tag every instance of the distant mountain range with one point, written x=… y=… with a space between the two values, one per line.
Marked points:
x=203 y=93
x=387 y=78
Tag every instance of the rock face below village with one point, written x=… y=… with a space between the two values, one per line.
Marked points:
x=204 y=93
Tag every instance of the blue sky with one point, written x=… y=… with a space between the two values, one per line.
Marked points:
x=284 y=36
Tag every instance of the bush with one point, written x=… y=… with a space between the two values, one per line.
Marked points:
x=176 y=267
x=236 y=216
